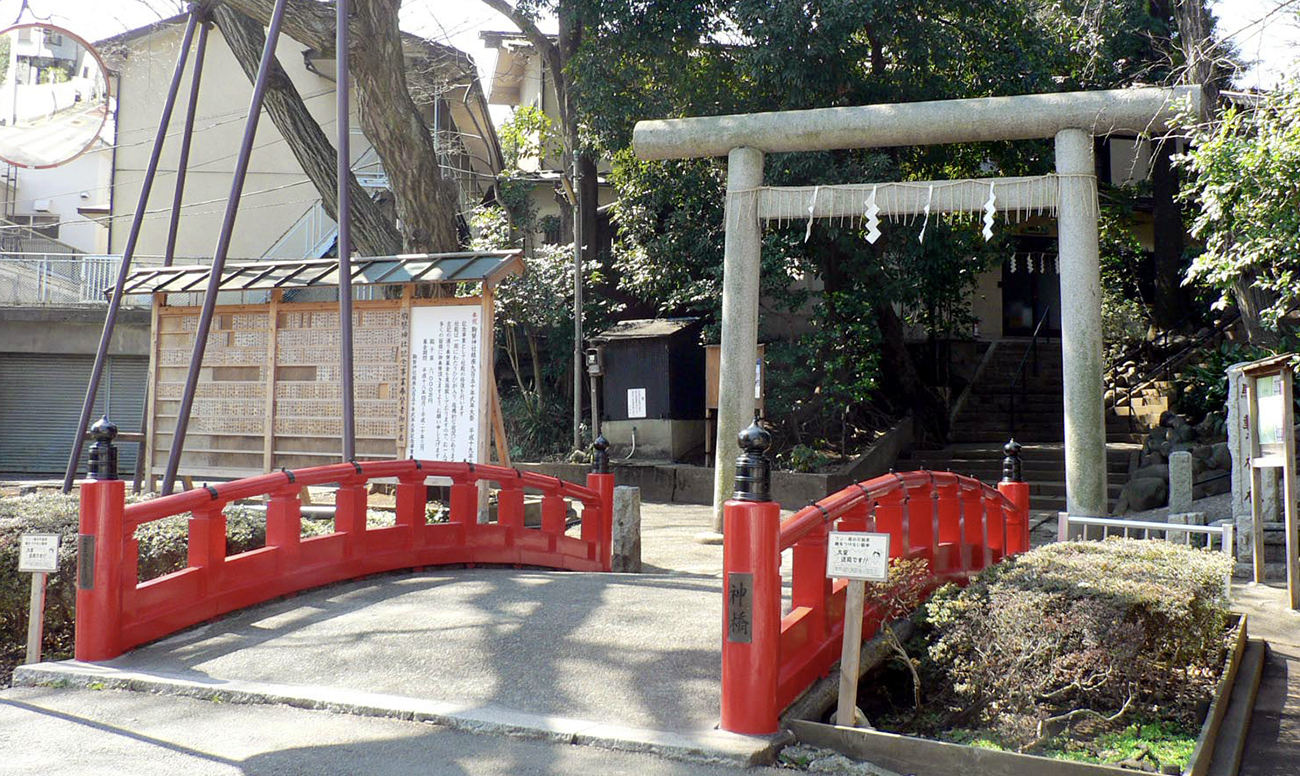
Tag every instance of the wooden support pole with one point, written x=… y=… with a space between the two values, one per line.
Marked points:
x=36 y=618
x=852 y=651
x=1289 y=490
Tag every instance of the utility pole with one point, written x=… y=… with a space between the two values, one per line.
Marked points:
x=577 y=305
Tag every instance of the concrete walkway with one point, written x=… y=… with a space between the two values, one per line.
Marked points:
x=1273 y=740
x=620 y=661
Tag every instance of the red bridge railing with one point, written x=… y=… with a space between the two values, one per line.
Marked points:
x=115 y=611
x=956 y=524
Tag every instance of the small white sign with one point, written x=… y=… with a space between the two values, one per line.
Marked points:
x=39 y=552
x=758 y=379
x=636 y=402
x=857 y=555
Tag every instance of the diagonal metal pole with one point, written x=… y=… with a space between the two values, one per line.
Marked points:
x=182 y=163
x=223 y=247
x=128 y=252
x=345 y=230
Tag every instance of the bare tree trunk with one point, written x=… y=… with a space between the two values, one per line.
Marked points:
x=372 y=232
x=426 y=203
x=1251 y=302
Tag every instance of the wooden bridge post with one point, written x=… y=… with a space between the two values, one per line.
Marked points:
x=601 y=531
x=1016 y=490
x=751 y=561
x=284 y=525
x=99 y=551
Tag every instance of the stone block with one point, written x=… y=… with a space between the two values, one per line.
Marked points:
x=1180 y=482
x=625 y=543
x=1184 y=518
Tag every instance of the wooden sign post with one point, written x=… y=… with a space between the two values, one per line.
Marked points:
x=860 y=558
x=1272 y=446
x=38 y=555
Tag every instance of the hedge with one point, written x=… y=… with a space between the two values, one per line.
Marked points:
x=1107 y=632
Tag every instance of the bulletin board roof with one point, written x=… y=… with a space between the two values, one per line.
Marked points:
x=1268 y=366
x=462 y=267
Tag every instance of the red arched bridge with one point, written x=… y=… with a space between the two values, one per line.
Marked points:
x=956 y=524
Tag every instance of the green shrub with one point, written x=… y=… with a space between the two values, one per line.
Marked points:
x=1203 y=383
x=43 y=513
x=1119 y=630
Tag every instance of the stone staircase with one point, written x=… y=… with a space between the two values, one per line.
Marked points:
x=983 y=424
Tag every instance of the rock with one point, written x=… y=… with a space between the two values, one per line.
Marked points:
x=1158 y=471
x=1200 y=465
x=1161 y=432
x=1152 y=459
x=1166 y=448
x=1167 y=419
x=1182 y=433
x=1222 y=456
x=1203 y=452
x=1145 y=493
x=1135 y=461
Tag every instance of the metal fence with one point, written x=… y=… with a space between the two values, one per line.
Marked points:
x=62 y=279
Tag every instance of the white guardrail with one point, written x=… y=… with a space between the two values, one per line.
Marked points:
x=1075 y=526
x=54 y=279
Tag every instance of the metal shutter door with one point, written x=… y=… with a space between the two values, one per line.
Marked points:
x=40 y=401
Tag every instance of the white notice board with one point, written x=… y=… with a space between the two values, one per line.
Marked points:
x=858 y=555
x=636 y=402
x=446 y=342
x=38 y=552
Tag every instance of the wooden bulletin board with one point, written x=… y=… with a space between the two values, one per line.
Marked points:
x=1272 y=445
x=269 y=393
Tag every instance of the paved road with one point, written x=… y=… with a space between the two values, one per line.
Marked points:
x=53 y=140
x=62 y=732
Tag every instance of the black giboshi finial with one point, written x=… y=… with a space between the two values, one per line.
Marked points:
x=1011 y=464
x=103 y=453
x=753 y=469
x=600 y=461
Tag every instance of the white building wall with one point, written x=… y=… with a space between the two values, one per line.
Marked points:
x=276 y=191
x=60 y=191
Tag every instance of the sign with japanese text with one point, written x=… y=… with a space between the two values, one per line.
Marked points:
x=38 y=552
x=636 y=402
x=857 y=555
x=446 y=341
x=740 y=607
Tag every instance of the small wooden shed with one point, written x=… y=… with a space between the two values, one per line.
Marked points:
x=269 y=393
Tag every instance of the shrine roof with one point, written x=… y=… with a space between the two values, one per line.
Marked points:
x=488 y=267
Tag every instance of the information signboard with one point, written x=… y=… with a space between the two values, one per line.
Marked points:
x=39 y=552
x=445 y=402
x=858 y=555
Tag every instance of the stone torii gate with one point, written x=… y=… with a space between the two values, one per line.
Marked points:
x=1070 y=118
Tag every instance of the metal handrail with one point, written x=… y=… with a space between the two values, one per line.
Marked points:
x=1011 y=389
